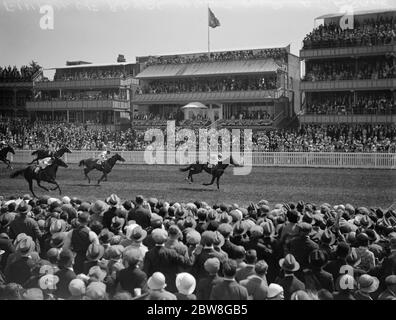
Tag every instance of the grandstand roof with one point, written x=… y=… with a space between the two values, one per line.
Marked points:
x=92 y=65
x=209 y=68
x=357 y=13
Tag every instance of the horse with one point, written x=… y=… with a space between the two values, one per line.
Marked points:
x=216 y=171
x=106 y=167
x=41 y=154
x=3 y=155
x=47 y=174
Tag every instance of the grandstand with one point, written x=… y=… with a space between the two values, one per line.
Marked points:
x=350 y=75
x=242 y=88
x=97 y=95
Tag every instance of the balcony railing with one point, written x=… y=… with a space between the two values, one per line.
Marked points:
x=367 y=84
x=346 y=51
x=224 y=96
x=351 y=118
x=84 y=83
x=77 y=105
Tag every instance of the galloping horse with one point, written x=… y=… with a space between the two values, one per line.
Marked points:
x=41 y=154
x=3 y=155
x=106 y=167
x=216 y=171
x=47 y=174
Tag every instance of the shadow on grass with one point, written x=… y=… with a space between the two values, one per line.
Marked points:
x=86 y=185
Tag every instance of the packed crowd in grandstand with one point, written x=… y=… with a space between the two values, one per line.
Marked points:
x=91 y=75
x=342 y=104
x=380 y=68
x=370 y=32
x=276 y=53
x=308 y=138
x=74 y=96
x=72 y=249
x=209 y=85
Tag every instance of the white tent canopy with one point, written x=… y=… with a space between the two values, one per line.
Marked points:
x=194 y=105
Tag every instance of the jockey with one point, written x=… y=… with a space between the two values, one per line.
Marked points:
x=103 y=156
x=213 y=158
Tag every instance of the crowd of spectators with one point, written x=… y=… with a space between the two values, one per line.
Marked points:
x=150 y=249
x=70 y=74
x=308 y=138
x=24 y=74
x=275 y=53
x=369 y=32
x=381 y=68
x=209 y=85
x=344 y=105
x=87 y=95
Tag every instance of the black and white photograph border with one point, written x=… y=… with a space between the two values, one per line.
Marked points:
x=210 y=151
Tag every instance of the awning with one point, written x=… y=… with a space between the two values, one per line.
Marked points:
x=356 y=13
x=194 y=105
x=209 y=68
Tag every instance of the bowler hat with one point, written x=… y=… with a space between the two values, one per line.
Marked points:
x=289 y=263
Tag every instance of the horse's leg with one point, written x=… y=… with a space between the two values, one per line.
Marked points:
x=42 y=187
x=211 y=182
x=30 y=181
x=9 y=164
x=34 y=160
x=101 y=178
x=217 y=182
x=57 y=186
x=86 y=170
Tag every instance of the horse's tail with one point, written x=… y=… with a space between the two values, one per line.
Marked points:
x=81 y=163
x=185 y=169
x=34 y=152
x=17 y=173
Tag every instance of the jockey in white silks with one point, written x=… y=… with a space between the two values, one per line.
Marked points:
x=215 y=161
x=43 y=163
x=103 y=156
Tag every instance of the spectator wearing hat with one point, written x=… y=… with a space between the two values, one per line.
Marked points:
x=367 y=286
x=256 y=283
x=229 y=247
x=65 y=273
x=335 y=264
x=206 y=283
x=390 y=292
x=205 y=252
x=7 y=248
x=290 y=228
x=79 y=239
x=21 y=269
x=366 y=256
x=156 y=285
x=77 y=289
x=96 y=291
x=33 y=294
x=173 y=242
x=97 y=211
x=346 y=285
x=185 y=284
x=201 y=224
x=218 y=244
x=227 y=288
x=94 y=254
x=315 y=278
x=140 y=214
x=289 y=281
x=326 y=242
x=275 y=292
x=301 y=246
x=132 y=277
x=117 y=223
x=136 y=238
x=248 y=269
x=24 y=224
x=163 y=259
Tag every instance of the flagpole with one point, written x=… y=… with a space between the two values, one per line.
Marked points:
x=208 y=34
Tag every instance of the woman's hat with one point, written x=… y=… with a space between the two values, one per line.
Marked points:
x=156 y=281
x=185 y=283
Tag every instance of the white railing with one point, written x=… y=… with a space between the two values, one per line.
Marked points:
x=259 y=159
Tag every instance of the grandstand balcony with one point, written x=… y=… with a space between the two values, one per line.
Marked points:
x=78 y=105
x=349 y=118
x=323 y=53
x=340 y=85
x=16 y=85
x=221 y=97
x=85 y=84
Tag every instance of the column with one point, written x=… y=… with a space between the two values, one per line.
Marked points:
x=67 y=116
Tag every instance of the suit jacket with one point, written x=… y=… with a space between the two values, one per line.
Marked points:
x=164 y=260
x=256 y=286
x=245 y=272
x=205 y=285
x=131 y=278
x=8 y=247
x=228 y=290
x=230 y=248
x=300 y=247
x=20 y=270
x=206 y=253
x=316 y=279
x=290 y=284
x=334 y=266
x=343 y=295
x=387 y=295
x=62 y=287
x=161 y=295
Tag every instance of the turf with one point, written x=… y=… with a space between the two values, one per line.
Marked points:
x=376 y=188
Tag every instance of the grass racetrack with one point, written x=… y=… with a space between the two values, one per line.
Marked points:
x=360 y=187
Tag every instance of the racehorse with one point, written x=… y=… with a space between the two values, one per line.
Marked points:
x=48 y=174
x=41 y=154
x=3 y=155
x=106 y=167
x=216 y=171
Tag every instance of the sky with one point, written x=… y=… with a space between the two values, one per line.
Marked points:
x=98 y=30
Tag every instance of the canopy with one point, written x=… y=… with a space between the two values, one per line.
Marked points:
x=194 y=105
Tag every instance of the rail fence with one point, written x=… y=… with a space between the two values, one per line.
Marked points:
x=259 y=159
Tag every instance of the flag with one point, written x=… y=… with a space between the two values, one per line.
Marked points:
x=213 y=21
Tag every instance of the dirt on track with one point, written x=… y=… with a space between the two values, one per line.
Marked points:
x=371 y=188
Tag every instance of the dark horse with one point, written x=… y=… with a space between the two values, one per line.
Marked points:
x=47 y=174
x=41 y=154
x=3 y=155
x=216 y=171
x=106 y=167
